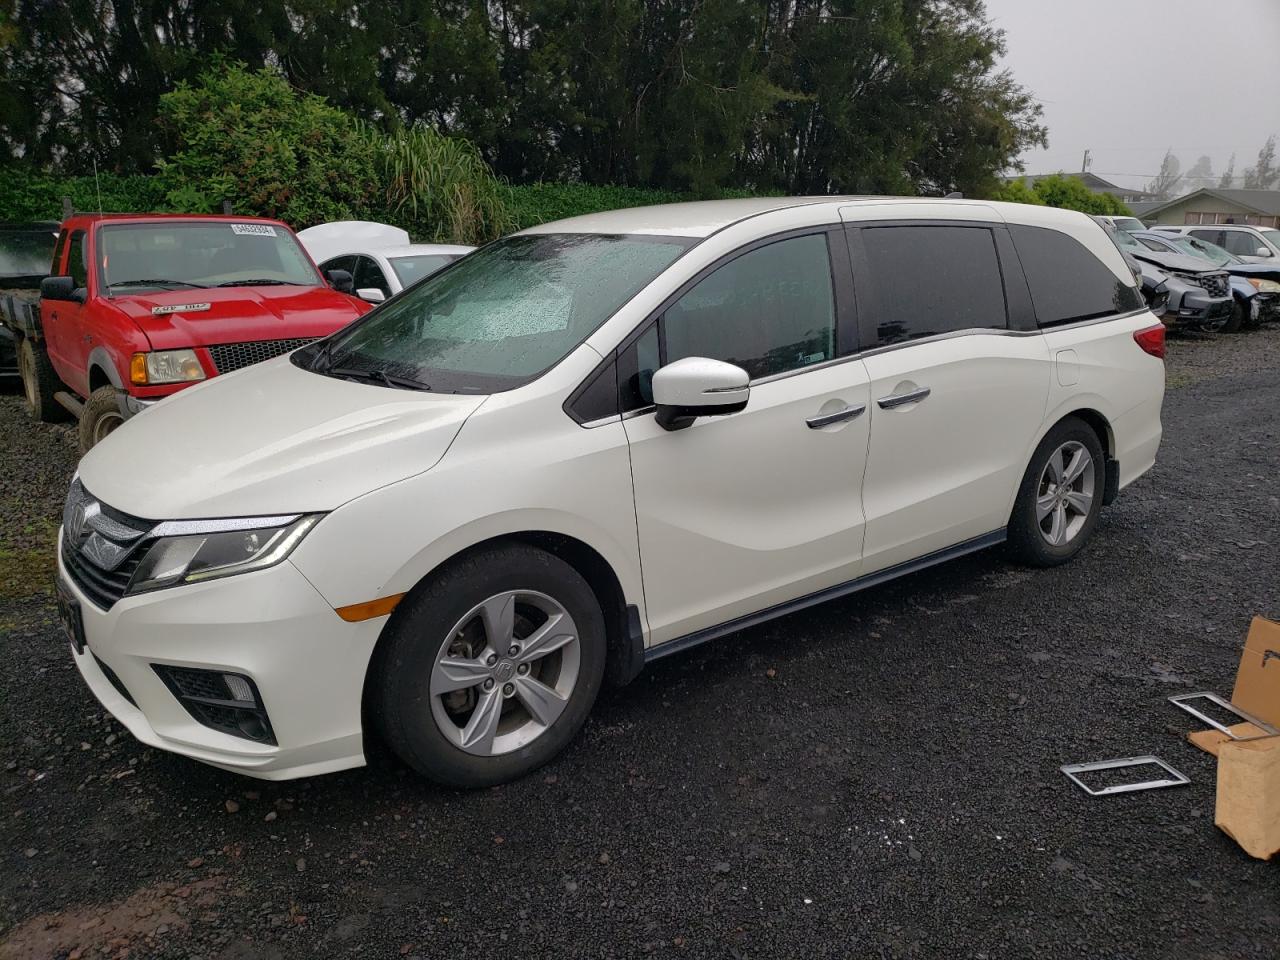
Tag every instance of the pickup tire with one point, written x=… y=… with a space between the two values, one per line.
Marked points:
x=39 y=382
x=100 y=416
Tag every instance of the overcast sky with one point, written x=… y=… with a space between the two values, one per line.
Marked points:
x=1128 y=79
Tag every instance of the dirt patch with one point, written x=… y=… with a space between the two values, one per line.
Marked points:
x=121 y=929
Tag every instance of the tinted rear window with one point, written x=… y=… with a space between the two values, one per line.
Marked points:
x=930 y=280
x=1067 y=281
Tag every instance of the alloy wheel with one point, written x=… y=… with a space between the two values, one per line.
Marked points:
x=505 y=673
x=104 y=425
x=1065 y=493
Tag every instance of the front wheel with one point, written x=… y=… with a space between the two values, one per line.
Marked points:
x=101 y=416
x=487 y=671
x=1060 y=497
x=1236 y=319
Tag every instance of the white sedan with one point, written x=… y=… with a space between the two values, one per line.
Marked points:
x=379 y=257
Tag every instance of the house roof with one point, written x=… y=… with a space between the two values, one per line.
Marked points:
x=1265 y=202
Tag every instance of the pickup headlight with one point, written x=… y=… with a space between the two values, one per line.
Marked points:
x=189 y=551
x=1264 y=286
x=165 y=366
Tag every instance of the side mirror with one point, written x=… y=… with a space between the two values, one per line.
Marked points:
x=371 y=294
x=1263 y=252
x=340 y=280
x=698 y=387
x=61 y=288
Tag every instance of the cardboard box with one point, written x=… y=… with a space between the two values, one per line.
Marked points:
x=1248 y=803
x=1248 y=808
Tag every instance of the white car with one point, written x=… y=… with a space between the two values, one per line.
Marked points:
x=380 y=258
x=589 y=445
x=1251 y=244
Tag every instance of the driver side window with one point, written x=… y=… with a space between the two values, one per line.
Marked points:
x=769 y=311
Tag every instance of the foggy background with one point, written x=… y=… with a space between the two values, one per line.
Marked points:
x=1129 y=79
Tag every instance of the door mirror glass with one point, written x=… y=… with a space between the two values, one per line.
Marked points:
x=698 y=387
x=371 y=294
x=340 y=280
x=60 y=288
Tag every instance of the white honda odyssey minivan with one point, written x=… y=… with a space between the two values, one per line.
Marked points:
x=589 y=445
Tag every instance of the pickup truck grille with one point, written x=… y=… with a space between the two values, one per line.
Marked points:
x=101 y=547
x=233 y=356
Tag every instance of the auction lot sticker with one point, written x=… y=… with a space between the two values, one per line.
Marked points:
x=253 y=229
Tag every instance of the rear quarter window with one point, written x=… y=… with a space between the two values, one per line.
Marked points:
x=1067 y=282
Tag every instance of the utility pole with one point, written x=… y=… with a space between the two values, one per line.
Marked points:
x=1084 y=164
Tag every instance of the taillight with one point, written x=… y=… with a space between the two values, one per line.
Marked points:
x=1151 y=340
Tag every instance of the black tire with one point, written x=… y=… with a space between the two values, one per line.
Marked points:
x=398 y=695
x=1236 y=321
x=39 y=383
x=1027 y=539
x=100 y=416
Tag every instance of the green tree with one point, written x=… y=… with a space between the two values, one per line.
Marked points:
x=250 y=138
x=1070 y=193
x=1263 y=174
x=1015 y=191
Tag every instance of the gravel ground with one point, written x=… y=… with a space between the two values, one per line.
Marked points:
x=876 y=777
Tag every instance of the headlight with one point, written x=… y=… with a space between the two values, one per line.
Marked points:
x=189 y=551
x=165 y=366
x=1264 y=286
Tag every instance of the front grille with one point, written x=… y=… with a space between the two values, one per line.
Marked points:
x=206 y=695
x=1215 y=284
x=101 y=547
x=233 y=356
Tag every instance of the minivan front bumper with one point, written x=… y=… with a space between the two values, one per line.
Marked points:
x=305 y=663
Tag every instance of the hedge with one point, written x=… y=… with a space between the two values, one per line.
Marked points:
x=26 y=196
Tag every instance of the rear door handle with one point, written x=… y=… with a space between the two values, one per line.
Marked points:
x=837 y=416
x=902 y=399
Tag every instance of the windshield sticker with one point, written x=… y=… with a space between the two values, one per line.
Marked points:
x=253 y=230
x=179 y=308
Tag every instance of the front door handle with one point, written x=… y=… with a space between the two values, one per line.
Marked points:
x=837 y=416
x=902 y=399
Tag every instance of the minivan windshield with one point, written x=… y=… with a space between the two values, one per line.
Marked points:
x=499 y=317
x=174 y=255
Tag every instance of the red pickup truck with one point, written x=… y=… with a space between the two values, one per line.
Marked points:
x=138 y=307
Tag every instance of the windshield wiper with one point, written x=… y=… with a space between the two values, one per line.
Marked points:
x=261 y=282
x=378 y=376
x=156 y=282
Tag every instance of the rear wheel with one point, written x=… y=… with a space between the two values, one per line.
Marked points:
x=490 y=669
x=1060 y=497
x=39 y=382
x=100 y=417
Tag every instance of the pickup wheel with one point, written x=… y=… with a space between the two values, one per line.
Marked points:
x=39 y=382
x=100 y=416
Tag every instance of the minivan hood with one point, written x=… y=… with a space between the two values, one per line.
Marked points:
x=237 y=314
x=270 y=439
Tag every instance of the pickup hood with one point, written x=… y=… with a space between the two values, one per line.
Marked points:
x=270 y=439
x=238 y=314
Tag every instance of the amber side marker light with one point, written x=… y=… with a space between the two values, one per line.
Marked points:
x=356 y=612
x=138 y=368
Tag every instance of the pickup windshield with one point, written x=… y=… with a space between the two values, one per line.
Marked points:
x=499 y=317
x=134 y=257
